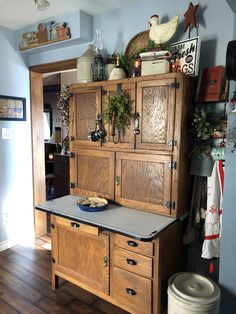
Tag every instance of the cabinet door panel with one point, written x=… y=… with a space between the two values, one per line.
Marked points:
x=92 y=173
x=85 y=105
x=127 y=135
x=81 y=256
x=156 y=106
x=144 y=181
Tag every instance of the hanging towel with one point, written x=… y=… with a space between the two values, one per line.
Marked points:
x=215 y=186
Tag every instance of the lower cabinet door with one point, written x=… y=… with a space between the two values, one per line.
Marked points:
x=144 y=181
x=81 y=256
x=132 y=291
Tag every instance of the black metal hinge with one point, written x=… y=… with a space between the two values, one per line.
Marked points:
x=170 y=205
x=173 y=143
x=72 y=155
x=174 y=85
x=72 y=185
x=172 y=165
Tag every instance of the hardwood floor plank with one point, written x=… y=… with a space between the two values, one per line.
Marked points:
x=78 y=292
x=19 y=286
x=33 y=267
x=41 y=285
x=6 y=309
x=17 y=301
x=107 y=307
x=30 y=254
x=50 y=306
x=79 y=307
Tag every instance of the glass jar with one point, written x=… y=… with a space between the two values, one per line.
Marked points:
x=98 y=64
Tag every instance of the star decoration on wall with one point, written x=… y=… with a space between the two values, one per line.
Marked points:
x=190 y=16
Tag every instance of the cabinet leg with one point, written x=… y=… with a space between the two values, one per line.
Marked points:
x=54 y=281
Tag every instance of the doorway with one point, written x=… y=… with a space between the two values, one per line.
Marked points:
x=37 y=120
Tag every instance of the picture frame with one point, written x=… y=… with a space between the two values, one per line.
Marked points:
x=12 y=108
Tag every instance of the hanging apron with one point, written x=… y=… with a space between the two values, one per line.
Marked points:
x=213 y=222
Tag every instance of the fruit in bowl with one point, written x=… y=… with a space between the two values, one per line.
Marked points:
x=92 y=204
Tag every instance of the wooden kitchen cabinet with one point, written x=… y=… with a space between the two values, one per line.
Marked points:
x=127 y=253
x=80 y=254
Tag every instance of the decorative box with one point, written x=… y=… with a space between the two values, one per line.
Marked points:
x=155 y=67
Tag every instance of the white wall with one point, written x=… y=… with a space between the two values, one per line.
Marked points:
x=16 y=199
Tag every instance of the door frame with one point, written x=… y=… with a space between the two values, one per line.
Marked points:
x=38 y=159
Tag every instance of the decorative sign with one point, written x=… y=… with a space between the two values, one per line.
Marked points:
x=185 y=56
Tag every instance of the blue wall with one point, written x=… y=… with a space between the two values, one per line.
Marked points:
x=16 y=205
x=227 y=278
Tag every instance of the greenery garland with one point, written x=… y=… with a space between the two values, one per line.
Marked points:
x=120 y=106
x=63 y=107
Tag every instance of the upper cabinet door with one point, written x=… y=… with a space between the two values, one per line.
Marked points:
x=144 y=181
x=126 y=135
x=156 y=107
x=85 y=105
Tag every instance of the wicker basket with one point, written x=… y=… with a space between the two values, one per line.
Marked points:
x=139 y=41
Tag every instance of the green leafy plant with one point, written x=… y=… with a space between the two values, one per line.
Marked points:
x=118 y=106
x=204 y=123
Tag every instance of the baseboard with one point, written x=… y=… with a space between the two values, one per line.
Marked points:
x=7 y=245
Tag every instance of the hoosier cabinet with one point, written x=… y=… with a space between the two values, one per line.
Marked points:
x=126 y=253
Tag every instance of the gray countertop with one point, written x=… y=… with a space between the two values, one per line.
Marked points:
x=138 y=224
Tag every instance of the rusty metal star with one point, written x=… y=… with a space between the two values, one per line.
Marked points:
x=190 y=16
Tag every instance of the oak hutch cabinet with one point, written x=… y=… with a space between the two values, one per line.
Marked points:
x=126 y=253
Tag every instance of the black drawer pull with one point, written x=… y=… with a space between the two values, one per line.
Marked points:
x=75 y=225
x=53 y=260
x=131 y=261
x=130 y=291
x=52 y=226
x=132 y=243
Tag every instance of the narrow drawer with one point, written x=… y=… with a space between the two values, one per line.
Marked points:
x=133 y=291
x=75 y=225
x=133 y=262
x=145 y=248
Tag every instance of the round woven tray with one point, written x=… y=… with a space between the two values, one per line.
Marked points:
x=139 y=41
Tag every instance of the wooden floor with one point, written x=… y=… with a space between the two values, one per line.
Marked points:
x=25 y=285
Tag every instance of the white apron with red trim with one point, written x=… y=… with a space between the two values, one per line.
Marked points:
x=215 y=184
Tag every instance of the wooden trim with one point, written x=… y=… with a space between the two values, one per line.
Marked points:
x=36 y=91
x=36 y=95
x=55 y=66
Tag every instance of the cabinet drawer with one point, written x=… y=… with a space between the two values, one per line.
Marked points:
x=76 y=226
x=132 y=291
x=133 y=262
x=145 y=248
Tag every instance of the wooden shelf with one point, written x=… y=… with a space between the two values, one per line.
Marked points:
x=35 y=45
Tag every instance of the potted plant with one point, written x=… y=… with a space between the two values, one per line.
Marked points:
x=118 y=113
x=204 y=123
x=201 y=163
